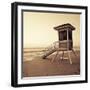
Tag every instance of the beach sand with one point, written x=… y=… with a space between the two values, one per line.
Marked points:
x=45 y=67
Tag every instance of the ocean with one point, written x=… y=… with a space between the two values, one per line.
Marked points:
x=31 y=53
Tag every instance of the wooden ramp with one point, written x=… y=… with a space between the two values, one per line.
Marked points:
x=48 y=52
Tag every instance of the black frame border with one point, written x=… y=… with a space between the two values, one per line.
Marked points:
x=14 y=43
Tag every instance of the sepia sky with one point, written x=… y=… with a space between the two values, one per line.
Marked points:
x=38 y=28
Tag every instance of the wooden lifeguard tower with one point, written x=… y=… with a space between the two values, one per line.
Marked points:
x=65 y=42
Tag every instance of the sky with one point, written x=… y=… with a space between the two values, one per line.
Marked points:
x=38 y=28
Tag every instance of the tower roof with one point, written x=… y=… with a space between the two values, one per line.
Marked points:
x=64 y=27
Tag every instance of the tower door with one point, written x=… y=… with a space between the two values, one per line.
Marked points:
x=63 y=38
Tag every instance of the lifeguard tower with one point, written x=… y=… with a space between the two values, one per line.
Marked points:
x=64 y=43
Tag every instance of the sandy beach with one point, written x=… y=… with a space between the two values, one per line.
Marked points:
x=34 y=67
